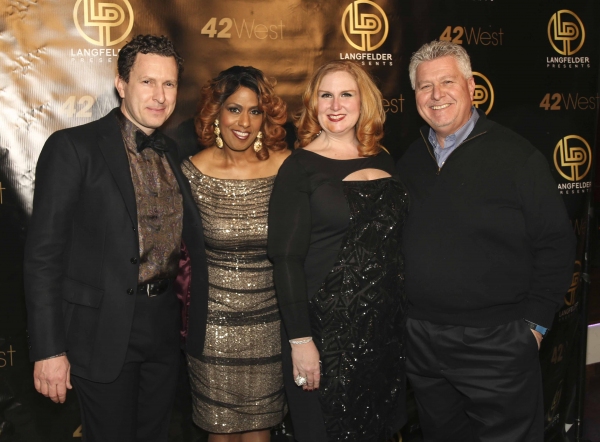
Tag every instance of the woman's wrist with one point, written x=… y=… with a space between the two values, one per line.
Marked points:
x=300 y=341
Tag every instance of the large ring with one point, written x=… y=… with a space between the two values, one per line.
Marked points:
x=300 y=380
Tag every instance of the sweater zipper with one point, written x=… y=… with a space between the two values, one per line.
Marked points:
x=433 y=156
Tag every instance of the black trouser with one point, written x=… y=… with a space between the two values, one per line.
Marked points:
x=476 y=384
x=137 y=405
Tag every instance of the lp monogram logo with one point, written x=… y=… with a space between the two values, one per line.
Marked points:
x=573 y=157
x=483 y=98
x=366 y=20
x=96 y=21
x=566 y=32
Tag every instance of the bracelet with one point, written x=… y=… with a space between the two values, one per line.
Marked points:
x=300 y=341
x=55 y=356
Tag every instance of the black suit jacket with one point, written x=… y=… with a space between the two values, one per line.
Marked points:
x=82 y=254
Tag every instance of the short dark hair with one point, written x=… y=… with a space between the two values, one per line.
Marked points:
x=146 y=44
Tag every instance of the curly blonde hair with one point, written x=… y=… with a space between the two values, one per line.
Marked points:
x=369 y=127
x=217 y=90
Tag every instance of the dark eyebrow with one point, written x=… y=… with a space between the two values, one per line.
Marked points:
x=239 y=105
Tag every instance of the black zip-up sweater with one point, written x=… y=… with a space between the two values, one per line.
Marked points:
x=487 y=239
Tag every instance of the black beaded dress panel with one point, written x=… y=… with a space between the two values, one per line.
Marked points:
x=339 y=278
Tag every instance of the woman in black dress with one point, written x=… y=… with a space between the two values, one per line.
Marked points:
x=335 y=221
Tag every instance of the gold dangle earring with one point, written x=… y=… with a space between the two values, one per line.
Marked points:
x=257 y=142
x=217 y=132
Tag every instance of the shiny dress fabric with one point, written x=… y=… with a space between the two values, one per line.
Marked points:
x=336 y=244
x=237 y=383
x=357 y=319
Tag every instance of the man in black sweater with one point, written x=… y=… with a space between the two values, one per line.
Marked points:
x=489 y=254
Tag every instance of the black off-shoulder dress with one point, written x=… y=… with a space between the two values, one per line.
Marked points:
x=338 y=273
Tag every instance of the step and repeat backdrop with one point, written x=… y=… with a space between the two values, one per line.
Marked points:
x=536 y=69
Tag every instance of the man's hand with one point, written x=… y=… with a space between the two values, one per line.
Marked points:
x=52 y=377
x=538 y=337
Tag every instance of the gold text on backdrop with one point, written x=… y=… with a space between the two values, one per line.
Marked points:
x=566 y=34
x=570 y=101
x=365 y=27
x=394 y=105
x=461 y=35
x=243 y=29
x=7 y=360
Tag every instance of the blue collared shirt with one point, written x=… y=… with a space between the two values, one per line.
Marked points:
x=451 y=142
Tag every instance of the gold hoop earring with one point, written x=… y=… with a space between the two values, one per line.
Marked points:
x=217 y=132
x=257 y=142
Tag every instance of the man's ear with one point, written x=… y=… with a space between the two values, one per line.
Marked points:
x=120 y=86
x=471 y=84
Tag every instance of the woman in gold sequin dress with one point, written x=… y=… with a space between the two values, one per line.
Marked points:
x=236 y=378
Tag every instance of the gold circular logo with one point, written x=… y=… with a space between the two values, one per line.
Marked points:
x=573 y=157
x=484 y=93
x=570 y=297
x=365 y=25
x=566 y=32
x=97 y=22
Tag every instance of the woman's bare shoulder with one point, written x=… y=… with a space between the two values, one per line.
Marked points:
x=204 y=160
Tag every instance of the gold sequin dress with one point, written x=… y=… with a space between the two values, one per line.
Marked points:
x=237 y=384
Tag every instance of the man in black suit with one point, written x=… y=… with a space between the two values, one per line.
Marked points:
x=110 y=210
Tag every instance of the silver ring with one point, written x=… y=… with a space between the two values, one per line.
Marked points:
x=300 y=380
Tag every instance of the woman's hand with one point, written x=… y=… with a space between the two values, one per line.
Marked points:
x=305 y=359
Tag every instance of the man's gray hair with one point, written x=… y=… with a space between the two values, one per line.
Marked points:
x=437 y=49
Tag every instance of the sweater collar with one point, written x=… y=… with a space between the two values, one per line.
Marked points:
x=481 y=126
